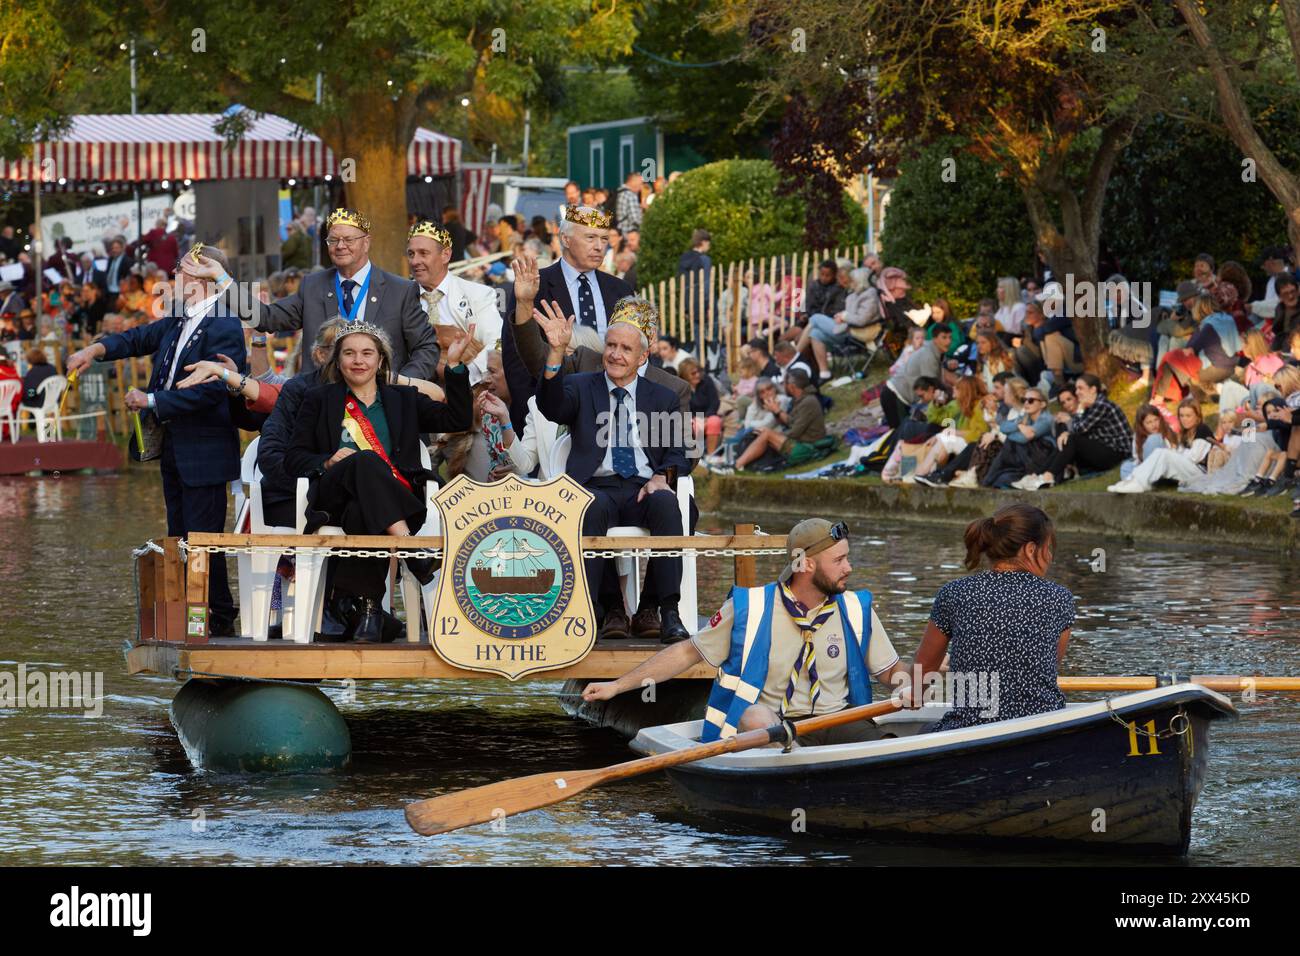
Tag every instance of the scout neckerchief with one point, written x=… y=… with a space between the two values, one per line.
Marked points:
x=358 y=297
x=808 y=622
x=362 y=433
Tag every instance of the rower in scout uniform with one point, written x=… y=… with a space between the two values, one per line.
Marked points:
x=797 y=647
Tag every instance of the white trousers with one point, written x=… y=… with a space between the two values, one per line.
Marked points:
x=1165 y=463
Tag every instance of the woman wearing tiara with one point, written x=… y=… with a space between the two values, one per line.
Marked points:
x=358 y=440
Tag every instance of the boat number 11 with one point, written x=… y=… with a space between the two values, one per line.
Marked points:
x=1133 y=749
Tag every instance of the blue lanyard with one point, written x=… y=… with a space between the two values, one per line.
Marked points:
x=360 y=295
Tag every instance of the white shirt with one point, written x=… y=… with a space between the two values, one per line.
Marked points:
x=445 y=316
x=360 y=280
x=571 y=280
x=194 y=314
x=642 y=462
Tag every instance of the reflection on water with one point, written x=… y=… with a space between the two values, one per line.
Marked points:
x=119 y=789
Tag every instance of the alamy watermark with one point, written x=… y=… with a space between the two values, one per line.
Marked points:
x=53 y=689
x=656 y=430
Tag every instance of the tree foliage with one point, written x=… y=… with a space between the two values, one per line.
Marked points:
x=956 y=238
x=737 y=202
x=1032 y=86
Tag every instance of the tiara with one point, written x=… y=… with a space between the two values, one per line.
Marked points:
x=347 y=217
x=430 y=231
x=639 y=312
x=367 y=328
x=587 y=216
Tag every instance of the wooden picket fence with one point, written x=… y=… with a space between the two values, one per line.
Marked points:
x=688 y=305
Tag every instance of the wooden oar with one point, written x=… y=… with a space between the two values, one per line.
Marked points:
x=508 y=797
x=1219 y=682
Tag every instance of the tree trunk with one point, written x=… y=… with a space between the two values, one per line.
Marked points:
x=1072 y=251
x=375 y=136
x=1283 y=184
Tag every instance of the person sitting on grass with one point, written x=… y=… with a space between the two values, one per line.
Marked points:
x=1183 y=461
x=1068 y=399
x=969 y=426
x=815 y=649
x=1150 y=431
x=798 y=429
x=705 y=403
x=1098 y=439
x=928 y=362
x=915 y=340
x=1027 y=445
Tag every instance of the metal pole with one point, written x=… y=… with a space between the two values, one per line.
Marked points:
x=37 y=243
x=528 y=122
x=318 y=194
x=871 y=212
x=139 y=201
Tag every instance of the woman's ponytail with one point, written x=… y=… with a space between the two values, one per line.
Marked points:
x=1009 y=529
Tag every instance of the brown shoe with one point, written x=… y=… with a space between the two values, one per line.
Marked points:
x=646 y=623
x=616 y=624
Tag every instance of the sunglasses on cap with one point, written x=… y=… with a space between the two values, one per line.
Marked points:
x=838 y=532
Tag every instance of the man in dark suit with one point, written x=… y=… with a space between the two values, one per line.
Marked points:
x=627 y=439
x=354 y=289
x=200 y=446
x=576 y=282
x=109 y=279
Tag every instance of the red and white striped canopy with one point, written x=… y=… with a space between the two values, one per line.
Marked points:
x=121 y=148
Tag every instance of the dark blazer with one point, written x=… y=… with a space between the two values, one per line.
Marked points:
x=197 y=419
x=100 y=278
x=393 y=304
x=319 y=425
x=533 y=349
x=278 y=487
x=550 y=287
x=578 y=400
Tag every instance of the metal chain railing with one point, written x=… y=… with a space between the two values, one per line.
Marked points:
x=437 y=552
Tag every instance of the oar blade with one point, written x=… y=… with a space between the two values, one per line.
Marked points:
x=465 y=808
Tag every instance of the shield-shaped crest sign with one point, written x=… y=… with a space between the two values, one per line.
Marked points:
x=512 y=598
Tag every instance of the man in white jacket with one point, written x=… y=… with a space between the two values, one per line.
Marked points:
x=448 y=300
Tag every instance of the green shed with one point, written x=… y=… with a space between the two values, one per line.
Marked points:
x=602 y=154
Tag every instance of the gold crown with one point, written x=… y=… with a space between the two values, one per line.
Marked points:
x=639 y=312
x=430 y=231
x=196 y=250
x=587 y=216
x=347 y=217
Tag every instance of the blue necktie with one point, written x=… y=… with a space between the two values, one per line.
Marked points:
x=348 y=286
x=624 y=459
x=586 y=303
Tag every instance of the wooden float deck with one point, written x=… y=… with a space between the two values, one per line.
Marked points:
x=285 y=660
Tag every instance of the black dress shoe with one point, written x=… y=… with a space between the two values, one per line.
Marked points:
x=370 y=622
x=616 y=624
x=339 y=620
x=422 y=568
x=671 y=628
x=221 y=628
x=394 y=629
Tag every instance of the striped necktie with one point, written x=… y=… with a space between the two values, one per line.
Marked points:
x=808 y=622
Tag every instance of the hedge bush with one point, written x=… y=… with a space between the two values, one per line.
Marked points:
x=737 y=202
x=956 y=238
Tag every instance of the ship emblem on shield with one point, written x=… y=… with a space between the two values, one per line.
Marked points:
x=512 y=599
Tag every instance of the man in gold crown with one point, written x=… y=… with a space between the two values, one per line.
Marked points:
x=627 y=446
x=448 y=301
x=354 y=290
x=452 y=307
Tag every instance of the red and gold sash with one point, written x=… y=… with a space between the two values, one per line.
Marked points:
x=362 y=433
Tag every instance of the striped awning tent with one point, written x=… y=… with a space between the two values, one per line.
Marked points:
x=115 y=148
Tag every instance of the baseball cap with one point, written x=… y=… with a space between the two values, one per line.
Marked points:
x=811 y=536
x=1187 y=289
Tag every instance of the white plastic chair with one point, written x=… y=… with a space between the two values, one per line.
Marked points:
x=257 y=570
x=309 y=569
x=46 y=415
x=9 y=390
x=688 y=602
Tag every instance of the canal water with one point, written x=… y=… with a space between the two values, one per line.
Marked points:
x=117 y=789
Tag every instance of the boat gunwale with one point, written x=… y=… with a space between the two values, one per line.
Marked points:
x=837 y=757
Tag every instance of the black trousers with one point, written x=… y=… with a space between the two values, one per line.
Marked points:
x=201 y=508
x=1087 y=454
x=616 y=504
x=959 y=461
x=894 y=408
x=361 y=496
